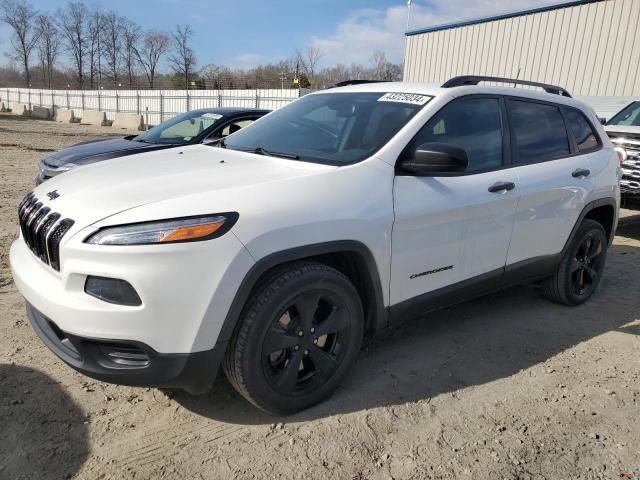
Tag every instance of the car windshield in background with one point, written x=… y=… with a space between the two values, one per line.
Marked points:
x=181 y=129
x=630 y=116
x=335 y=128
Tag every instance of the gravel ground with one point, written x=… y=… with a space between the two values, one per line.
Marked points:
x=505 y=387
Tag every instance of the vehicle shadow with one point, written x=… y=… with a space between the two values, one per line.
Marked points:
x=470 y=344
x=43 y=430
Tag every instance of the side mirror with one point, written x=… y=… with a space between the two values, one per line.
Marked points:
x=434 y=158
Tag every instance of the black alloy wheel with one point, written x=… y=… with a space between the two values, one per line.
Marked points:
x=306 y=343
x=586 y=266
x=299 y=334
x=581 y=266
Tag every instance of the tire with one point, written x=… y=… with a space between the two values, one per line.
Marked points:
x=305 y=314
x=581 y=267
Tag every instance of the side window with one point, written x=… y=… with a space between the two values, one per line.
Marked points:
x=233 y=127
x=474 y=124
x=539 y=131
x=582 y=131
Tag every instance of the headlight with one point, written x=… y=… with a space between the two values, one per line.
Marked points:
x=189 y=229
x=67 y=166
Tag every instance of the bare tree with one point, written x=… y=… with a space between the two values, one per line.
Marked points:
x=382 y=69
x=112 y=44
x=154 y=45
x=21 y=17
x=308 y=61
x=74 y=25
x=94 y=50
x=48 y=47
x=379 y=64
x=216 y=76
x=183 y=59
x=130 y=38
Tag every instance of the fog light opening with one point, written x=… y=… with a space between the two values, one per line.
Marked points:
x=112 y=290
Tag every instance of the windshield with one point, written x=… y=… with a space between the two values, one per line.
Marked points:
x=181 y=129
x=629 y=116
x=335 y=128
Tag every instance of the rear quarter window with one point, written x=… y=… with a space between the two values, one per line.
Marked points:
x=586 y=138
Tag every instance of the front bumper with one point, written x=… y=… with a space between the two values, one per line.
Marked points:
x=128 y=362
x=186 y=290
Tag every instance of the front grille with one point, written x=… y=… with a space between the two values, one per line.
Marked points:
x=42 y=230
x=630 y=182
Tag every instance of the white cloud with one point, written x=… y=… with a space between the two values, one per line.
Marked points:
x=365 y=31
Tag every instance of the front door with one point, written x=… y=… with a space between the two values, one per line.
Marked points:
x=455 y=227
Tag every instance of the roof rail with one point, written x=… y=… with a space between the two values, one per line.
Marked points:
x=346 y=83
x=475 y=79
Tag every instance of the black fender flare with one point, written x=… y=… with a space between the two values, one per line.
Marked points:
x=602 y=202
x=262 y=266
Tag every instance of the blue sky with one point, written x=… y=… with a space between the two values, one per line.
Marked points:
x=242 y=33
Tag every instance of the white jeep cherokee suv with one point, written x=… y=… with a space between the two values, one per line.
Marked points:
x=335 y=217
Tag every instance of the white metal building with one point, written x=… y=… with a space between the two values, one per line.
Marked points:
x=590 y=47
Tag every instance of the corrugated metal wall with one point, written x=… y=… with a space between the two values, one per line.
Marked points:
x=591 y=49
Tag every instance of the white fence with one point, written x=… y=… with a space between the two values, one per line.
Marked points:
x=155 y=105
x=160 y=105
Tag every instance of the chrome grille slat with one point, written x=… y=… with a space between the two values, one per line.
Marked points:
x=37 y=227
x=29 y=222
x=42 y=230
x=22 y=212
x=47 y=225
x=53 y=242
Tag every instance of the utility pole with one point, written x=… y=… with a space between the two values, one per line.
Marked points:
x=406 y=39
x=283 y=77
x=99 y=64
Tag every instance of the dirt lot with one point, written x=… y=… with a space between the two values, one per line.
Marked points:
x=505 y=387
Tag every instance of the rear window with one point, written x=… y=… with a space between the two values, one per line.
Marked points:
x=540 y=132
x=582 y=130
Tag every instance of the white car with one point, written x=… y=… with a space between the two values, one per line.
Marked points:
x=624 y=130
x=322 y=223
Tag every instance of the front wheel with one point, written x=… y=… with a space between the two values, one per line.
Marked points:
x=581 y=267
x=300 y=333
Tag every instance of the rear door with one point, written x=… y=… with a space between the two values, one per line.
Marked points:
x=554 y=177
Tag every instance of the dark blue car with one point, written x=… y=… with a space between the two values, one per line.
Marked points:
x=205 y=125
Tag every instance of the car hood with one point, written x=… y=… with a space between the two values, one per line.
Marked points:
x=620 y=130
x=95 y=150
x=97 y=191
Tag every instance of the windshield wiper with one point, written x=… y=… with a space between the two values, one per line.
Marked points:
x=145 y=141
x=269 y=153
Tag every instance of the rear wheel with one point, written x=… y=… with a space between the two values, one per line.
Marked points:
x=581 y=268
x=300 y=333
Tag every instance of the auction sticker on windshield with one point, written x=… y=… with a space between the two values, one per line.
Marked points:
x=412 y=98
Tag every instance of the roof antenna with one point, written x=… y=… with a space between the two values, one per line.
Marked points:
x=517 y=77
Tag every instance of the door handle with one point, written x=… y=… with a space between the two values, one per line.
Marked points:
x=581 y=173
x=501 y=187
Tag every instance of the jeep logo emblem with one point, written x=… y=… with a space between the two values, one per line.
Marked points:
x=53 y=195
